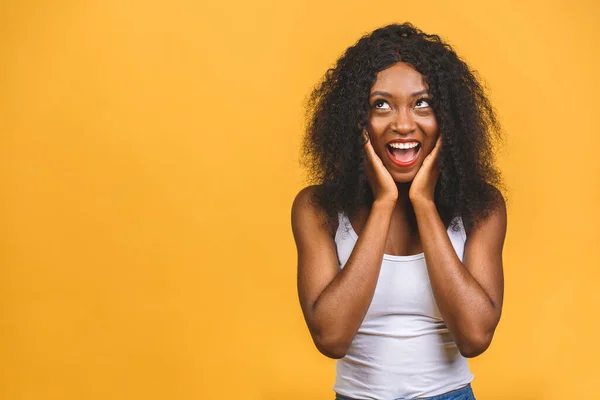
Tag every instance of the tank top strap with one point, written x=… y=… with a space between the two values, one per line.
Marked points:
x=345 y=225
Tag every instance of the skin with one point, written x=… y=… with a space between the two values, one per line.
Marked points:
x=402 y=220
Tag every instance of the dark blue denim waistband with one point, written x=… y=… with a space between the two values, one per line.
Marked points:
x=464 y=393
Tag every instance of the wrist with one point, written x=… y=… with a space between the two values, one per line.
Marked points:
x=384 y=204
x=422 y=203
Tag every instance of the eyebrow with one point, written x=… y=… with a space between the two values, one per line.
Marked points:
x=386 y=94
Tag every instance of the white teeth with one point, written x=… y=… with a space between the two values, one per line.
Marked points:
x=398 y=145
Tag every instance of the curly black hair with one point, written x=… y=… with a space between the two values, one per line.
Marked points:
x=337 y=111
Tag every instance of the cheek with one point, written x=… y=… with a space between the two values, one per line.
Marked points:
x=377 y=126
x=429 y=126
x=430 y=129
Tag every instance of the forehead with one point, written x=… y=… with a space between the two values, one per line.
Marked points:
x=399 y=78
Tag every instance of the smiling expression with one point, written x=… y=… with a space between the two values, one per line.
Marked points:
x=402 y=125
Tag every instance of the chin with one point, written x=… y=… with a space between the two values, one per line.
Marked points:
x=403 y=181
x=404 y=177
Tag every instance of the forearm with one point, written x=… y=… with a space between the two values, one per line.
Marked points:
x=464 y=305
x=341 y=307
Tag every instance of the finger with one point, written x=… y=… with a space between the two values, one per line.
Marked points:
x=365 y=136
x=368 y=146
x=431 y=158
x=436 y=149
x=436 y=153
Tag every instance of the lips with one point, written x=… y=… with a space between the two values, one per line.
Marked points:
x=403 y=153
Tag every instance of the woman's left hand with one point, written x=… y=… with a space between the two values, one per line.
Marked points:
x=423 y=185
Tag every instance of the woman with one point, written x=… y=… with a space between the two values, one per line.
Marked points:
x=400 y=242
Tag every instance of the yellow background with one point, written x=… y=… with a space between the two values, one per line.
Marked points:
x=149 y=158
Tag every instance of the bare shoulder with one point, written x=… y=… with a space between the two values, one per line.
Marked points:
x=498 y=199
x=495 y=219
x=307 y=213
x=304 y=199
x=304 y=205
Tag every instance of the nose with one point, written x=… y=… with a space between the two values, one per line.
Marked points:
x=403 y=121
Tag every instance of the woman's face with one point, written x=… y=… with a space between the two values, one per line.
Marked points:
x=402 y=126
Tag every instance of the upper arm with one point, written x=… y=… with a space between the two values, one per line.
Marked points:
x=317 y=255
x=483 y=254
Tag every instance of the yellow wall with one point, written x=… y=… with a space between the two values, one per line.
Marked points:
x=150 y=157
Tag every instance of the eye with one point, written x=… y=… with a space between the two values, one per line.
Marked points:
x=381 y=104
x=422 y=103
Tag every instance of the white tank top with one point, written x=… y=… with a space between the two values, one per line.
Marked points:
x=403 y=348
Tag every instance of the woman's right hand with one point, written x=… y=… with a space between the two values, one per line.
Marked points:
x=382 y=184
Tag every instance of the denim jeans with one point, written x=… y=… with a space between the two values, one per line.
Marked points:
x=464 y=393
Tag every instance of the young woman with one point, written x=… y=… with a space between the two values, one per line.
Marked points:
x=400 y=242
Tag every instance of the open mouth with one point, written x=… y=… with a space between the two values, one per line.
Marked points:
x=403 y=154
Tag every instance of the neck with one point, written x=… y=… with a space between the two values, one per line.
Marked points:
x=403 y=204
x=404 y=210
